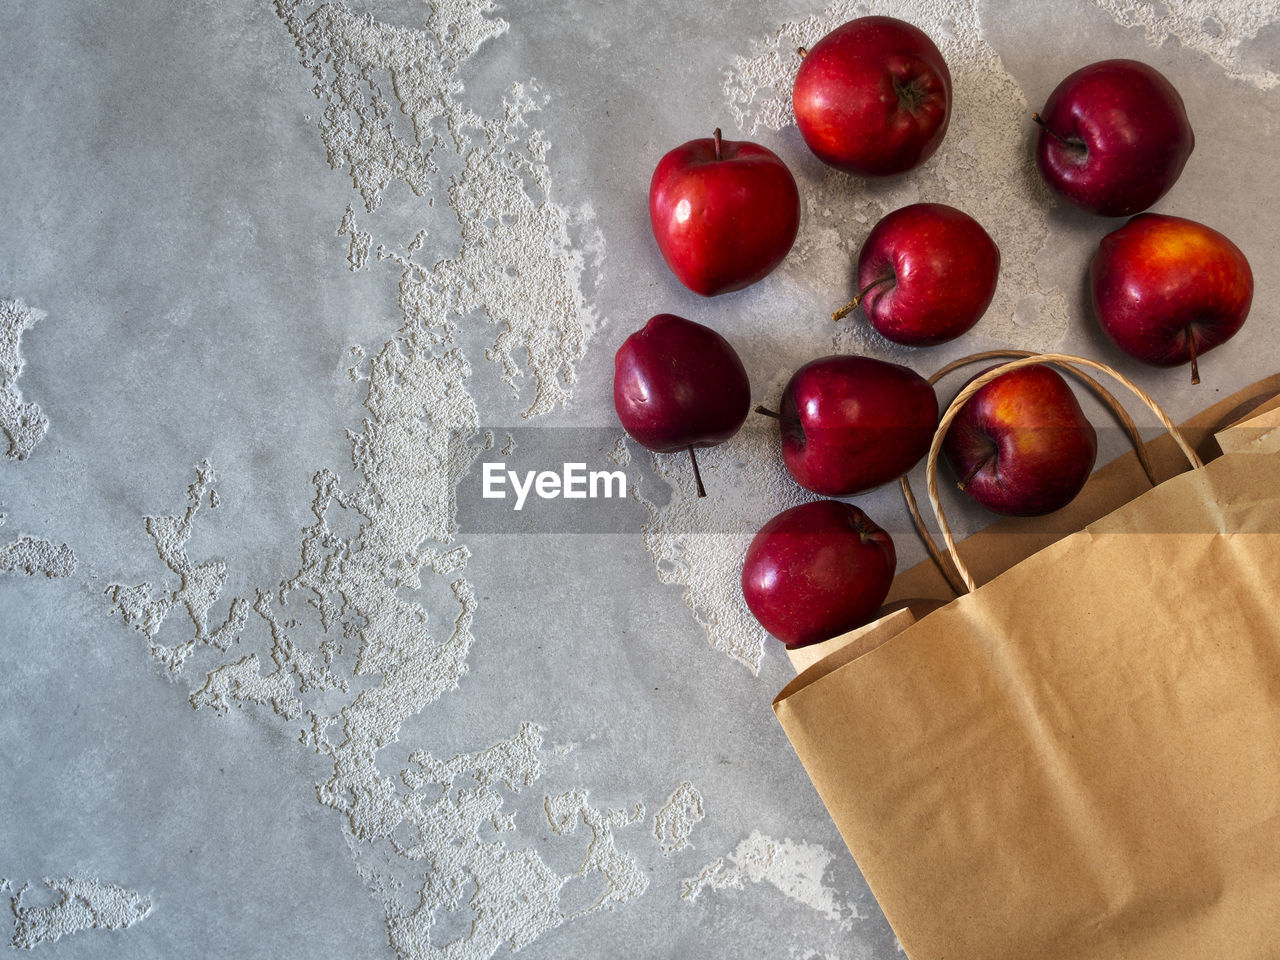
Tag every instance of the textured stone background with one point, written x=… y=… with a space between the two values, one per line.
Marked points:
x=188 y=237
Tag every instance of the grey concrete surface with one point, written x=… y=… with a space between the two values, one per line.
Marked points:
x=169 y=205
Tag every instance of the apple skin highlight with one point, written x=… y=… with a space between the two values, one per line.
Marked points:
x=724 y=213
x=1167 y=290
x=816 y=571
x=1114 y=137
x=1021 y=445
x=849 y=424
x=679 y=385
x=873 y=97
x=926 y=274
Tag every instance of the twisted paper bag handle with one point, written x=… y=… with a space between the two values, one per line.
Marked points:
x=1062 y=361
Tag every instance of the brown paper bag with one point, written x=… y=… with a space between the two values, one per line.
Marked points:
x=1081 y=757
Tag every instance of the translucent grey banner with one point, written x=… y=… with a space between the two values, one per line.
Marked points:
x=538 y=480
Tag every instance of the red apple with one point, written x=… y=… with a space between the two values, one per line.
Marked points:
x=816 y=571
x=1114 y=137
x=852 y=423
x=679 y=385
x=926 y=274
x=1021 y=445
x=724 y=213
x=873 y=97
x=1166 y=290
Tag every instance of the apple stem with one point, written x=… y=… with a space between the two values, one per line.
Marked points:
x=972 y=473
x=802 y=51
x=716 y=137
x=852 y=305
x=777 y=416
x=1195 y=368
x=1049 y=130
x=697 y=474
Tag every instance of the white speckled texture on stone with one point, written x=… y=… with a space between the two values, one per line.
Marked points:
x=81 y=904
x=24 y=424
x=35 y=555
x=794 y=869
x=673 y=824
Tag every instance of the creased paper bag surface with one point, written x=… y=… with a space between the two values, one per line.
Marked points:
x=1082 y=758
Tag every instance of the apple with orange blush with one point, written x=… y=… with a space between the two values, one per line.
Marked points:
x=1167 y=290
x=1021 y=445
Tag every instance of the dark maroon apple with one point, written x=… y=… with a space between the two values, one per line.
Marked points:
x=1021 y=445
x=816 y=571
x=724 y=213
x=851 y=423
x=873 y=97
x=926 y=274
x=1166 y=290
x=679 y=385
x=1114 y=137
